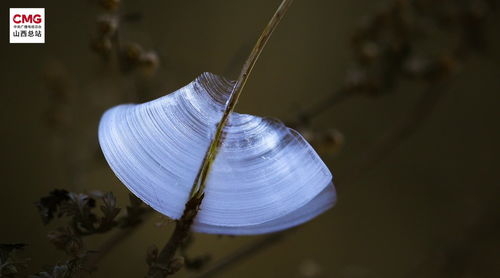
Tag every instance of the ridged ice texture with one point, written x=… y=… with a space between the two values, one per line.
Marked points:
x=265 y=177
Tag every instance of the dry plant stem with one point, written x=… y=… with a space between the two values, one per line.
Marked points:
x=180 y=234
x=183 y=225
x=335 y=98
x=402 y=131
x=93 y=261
x=393 y=138
x=241 y=254
x=235 y=94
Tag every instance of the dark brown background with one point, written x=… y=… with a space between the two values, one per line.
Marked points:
x=425 y=210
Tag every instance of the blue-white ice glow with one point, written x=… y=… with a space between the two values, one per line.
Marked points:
x=265 y=177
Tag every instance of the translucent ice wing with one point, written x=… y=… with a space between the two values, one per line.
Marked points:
x=265 y=177
x=263 y=171
x=156 y=148
x=322 y=202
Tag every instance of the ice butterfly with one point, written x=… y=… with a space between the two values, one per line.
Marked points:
x=265 y=177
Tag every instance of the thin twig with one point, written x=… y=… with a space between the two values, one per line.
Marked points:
x=402 y=131
x=336 y=97
x=241 y=254
x=161 y=267
x=197 y=190
x=95 y=258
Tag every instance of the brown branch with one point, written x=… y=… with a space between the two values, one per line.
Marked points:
x=199 y=183
x=94 y=259
x=242 y=254
x=408 y=126
x=336 y=97
x=162 y=266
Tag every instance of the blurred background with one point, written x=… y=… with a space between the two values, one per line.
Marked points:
x=400 y=98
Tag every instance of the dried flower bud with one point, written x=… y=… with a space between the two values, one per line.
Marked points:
x=110 y=5
x=132 y=52
x=175 y=265
x=102 y=45
x=107 y=25
x=149 y=62
x=328 y=141
x=333 y=140
x=134 y=57
x=130 y=55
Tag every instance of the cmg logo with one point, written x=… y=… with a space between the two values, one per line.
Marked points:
x=27 y=25
x=27 y=18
